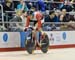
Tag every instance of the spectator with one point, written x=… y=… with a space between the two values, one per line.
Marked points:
x=64 y=17
x=57 y=13
x=67 y=6
x=50 y=6
x=41 y=5
x=1 y=1
x=20 y=17
x=51 y=17
x=22 y=6
x=8 y=5
x=29 y=5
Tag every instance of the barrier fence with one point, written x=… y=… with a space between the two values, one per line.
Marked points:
x=46 y=26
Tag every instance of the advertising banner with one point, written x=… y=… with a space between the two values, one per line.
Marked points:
x=9 y=39
x=17 y=39
x=61 y=37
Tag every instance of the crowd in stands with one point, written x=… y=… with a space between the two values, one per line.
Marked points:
x=52 y=14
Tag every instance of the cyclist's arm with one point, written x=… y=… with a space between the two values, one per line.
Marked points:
x=39 y=24
x=27 y=22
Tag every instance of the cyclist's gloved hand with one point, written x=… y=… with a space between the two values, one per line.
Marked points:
x=25 y=28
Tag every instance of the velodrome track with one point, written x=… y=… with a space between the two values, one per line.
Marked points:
x=53 y=54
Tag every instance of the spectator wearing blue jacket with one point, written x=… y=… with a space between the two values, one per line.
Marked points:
x=41 y=5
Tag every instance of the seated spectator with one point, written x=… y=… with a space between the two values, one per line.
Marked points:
x=1 y=1
x=51 y=17
x=57 y=13
x=41 y=5
x=29 y=5
x=22 y=6
x=72 y=1
x=21 y=17
x=67 y=6
x=8 y=5
x=64 y=17
x=50 y=6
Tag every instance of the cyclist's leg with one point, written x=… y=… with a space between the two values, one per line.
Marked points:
x=38 y=37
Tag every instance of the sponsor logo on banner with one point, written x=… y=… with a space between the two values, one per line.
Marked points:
x=64 y=35
x=51 y=38
x=58 y=37
x=5 y=37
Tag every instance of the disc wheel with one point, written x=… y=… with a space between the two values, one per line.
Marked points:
x=45 y=44
x=30 y=46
